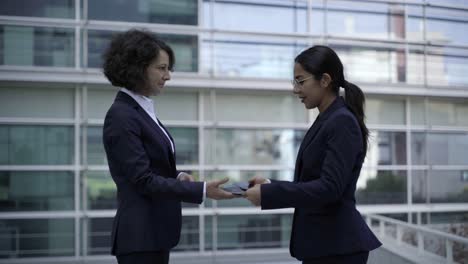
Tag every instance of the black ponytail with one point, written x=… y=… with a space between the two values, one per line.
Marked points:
x=355 y=100
x=319 y=60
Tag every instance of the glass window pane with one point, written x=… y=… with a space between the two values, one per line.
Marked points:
x=381 y=187
x=419 y=187
x=96 y=154
x=186 y=143
x=243 y=176
x=447 y=67
x=176 y=105
x=37 y=238
x=249 y=231
x=414 y=23
x=448 y=186
x=33 y=46
x=189 y=235
x=147 y=11
x=36 y=191
x=386 y=148
x=418 y=111
x=411 y=70
x=99 y=101
x=372 y=64
x=185 y=49
x=36 y=145
x=18 y=100
x=39 y=8
x=258 y=15
x=276 y=147
x=447 y=25
x=452 y=112
x=99 y=235
x=256 y=57
x=101 y=190
x=447 y=149
x=385 y=111
x=275 y=107
x=369 y=20
x=418 y=148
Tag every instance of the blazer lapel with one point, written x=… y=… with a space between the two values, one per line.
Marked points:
x=121 y=96
x=305 y=142
x=338 y=103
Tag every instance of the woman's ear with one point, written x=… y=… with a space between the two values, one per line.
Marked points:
x=326 y=80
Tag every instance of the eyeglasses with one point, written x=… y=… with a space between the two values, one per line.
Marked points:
x=295 y=83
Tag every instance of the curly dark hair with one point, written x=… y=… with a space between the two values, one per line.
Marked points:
x=129 y=55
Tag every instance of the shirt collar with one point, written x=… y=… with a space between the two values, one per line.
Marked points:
x=145 y=102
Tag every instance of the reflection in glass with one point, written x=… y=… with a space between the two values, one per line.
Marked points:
x=39 y=8
x=249 y=231
x=186 y=143
x=385 y=111
x=276 y=107
x=33 y=46
x=36 y=191
x=185 y=49
x=183 y=12
x=36 y=145
x=446 y=25
x=37 y=238
x=258 y=15
x=418 y=111
x=249 y=146
x=418 y=148
x=376 y=65
x=453 y=112
x=35 y=101
x=419 y=186
x=448 y=186
x=368 y=20
x=102 y=192
x=381 y=187
x=254 y=57
x=447 y=67
x=447 y=149
x=99 y=235
x=386 y=148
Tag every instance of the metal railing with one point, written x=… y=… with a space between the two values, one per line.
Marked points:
x=422 y=232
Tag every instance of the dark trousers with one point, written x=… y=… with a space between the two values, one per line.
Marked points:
x=355 y=258
x=152 y=257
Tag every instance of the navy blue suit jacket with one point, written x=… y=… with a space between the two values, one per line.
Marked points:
x=326 y=222
x=143 y=167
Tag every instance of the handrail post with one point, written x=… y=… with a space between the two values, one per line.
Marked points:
x=382 y=227
x=449 y=250
x=420 y=242
x=399 y=234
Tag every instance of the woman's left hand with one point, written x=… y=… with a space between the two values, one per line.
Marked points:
x=185 y=177
x=254 y=195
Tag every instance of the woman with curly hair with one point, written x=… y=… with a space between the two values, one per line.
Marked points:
x=141 y=153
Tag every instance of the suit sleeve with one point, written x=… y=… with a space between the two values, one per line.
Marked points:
x=343 y=146
x=123 y=144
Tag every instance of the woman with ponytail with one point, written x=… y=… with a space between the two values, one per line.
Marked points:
x=327 y=228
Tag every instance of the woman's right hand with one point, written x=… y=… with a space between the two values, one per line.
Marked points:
x=257 y=180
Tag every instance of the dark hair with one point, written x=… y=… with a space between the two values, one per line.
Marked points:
x=129 y=55
x=318 y=60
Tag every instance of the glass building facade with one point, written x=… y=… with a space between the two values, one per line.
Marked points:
x=231 y=110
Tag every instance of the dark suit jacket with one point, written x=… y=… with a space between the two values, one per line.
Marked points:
x=328 y=164
x=143 y=167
